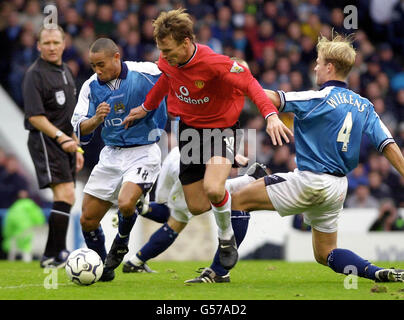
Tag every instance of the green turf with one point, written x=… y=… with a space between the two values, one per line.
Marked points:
x=250 y=280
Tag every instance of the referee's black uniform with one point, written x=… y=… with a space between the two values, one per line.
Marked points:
x=50 y=90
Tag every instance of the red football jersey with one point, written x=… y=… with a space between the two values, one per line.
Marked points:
x=208 y=91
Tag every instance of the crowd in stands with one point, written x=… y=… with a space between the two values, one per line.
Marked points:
x=276 y=38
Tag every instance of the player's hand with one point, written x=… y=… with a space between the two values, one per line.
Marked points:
x=79 y=161
x=134 y=114
x=277 y=130
x=102 y=111
x=67 y=144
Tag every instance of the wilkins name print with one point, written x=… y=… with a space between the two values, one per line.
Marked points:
x=343 y=98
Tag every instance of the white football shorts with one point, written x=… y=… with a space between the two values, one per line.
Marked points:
x=169 y=189
x=320 y=197
x=140 y=165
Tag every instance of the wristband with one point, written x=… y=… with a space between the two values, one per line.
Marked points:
x=65 y=141
x=58 y=134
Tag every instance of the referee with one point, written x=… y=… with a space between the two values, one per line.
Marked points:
x=49 y=95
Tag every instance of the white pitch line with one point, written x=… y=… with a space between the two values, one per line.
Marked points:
x=22 y=286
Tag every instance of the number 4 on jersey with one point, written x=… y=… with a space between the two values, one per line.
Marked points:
x=345 y=132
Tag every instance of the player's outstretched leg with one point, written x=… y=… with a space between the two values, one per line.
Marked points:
x=339 y=258
x=216 y=273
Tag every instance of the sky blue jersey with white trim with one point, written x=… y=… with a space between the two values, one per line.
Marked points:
x=128 y=91
x=328 y=127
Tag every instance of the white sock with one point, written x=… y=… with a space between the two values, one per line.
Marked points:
x=135 y=260
x=236 y=184
x=223 y=217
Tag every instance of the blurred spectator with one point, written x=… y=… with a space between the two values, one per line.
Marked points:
x=312 y=27
x=377 y=187
x=241 y=43
x=263 y=38
x=197 y=8
x=18 y=225
x=9 y=37
x=400 y=104
x=389 y=175
x=381 y=13
x=72 y=24
x=280 y=159
x=361 y=198
x=119 y=10
x=13 y=184
x=396 y=27
x=357 y=177
x=147 y=33
x=308 y=53
x=388 y=218
x=32 y=14
x=70 y=52
x=388 y=117
x=269 y=80
x=133 y=49
x=373 y=69
x=21 y=59
x=399 y=191
x=90 y=12
x=223 y=29
x=103 y=24
x=387 y=60
x=204 y=36
x=238 y=9
x=83 y=41
x=400 y=135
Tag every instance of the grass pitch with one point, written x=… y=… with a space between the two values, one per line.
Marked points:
x=250 y=280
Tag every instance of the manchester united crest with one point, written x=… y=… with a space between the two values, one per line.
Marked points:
x=199 y=84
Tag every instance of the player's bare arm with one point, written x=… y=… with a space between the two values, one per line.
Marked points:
x=274 y=97
x=42 y=124
x=275 y=127
x=134 y=114
x=89 y=125
x=393 y=153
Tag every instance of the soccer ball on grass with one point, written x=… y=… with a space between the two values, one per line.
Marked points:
x=84 y=266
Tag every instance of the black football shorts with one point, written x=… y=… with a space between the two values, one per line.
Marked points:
x=52 y=164
x=197 y=146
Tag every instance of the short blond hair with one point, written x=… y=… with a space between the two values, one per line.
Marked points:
x=338 y=51
x=175 y=23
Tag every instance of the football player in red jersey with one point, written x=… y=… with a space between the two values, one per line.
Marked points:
x=206 y=90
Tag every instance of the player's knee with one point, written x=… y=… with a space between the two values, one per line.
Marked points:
x=88 y=224
x=215 y=193
x=126 y=206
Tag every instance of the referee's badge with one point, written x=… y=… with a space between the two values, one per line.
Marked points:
x=60 y=97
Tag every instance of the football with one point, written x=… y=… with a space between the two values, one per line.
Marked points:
x=84 y=266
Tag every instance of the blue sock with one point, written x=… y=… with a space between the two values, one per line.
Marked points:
x=125 y=226
x=239 y=222
x=158 y=212
x=158 y=242
x=95 y=240
x=339 y=259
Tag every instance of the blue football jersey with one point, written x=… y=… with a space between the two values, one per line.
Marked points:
x=129 y=90
x=328 y=127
